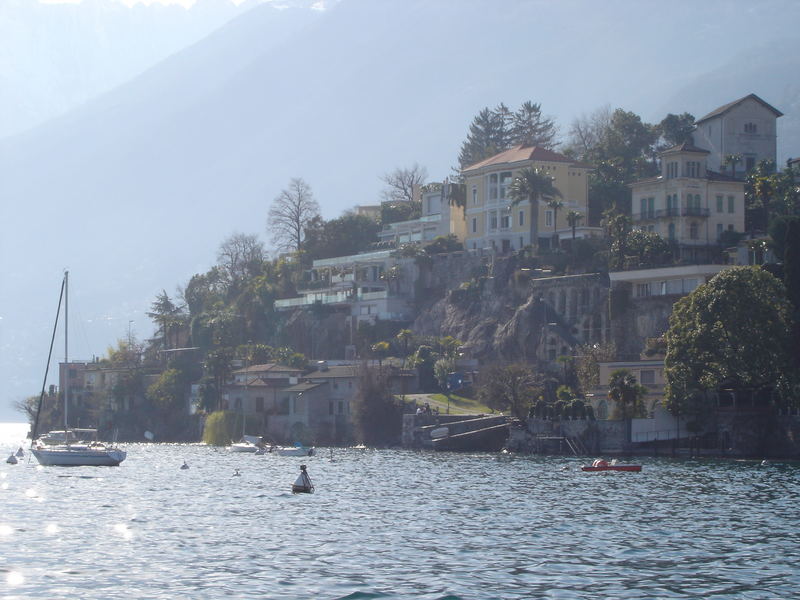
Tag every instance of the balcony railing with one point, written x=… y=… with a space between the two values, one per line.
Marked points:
x=694 y=211
x=674 y=211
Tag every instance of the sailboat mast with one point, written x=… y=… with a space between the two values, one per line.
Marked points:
x=66 y=351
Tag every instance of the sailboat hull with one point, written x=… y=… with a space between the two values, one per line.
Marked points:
x=80 y=456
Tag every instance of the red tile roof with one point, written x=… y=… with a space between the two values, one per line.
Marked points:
x=523 y=153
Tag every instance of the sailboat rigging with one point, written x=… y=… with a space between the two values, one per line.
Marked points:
x=72 y=452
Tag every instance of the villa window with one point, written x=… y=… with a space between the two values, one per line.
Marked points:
x=719 y=230
x=474 y=225
x=731 y=204
x=474 y=195
x=505 y=181
x=548 y=218
x=720 y=200
x=692 y=168
x=505 y=221
x=521 y=218
x=492 y=195
x=643 y=290
x=749 y=163
x=259 y=404
x=750 y=128
x=647 y=377
x=693 y=231
x=672 y=170
x=493 y=220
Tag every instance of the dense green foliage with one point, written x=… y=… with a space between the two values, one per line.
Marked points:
x=221 y=428
x=349 y=234
x=377 y=416
x=731 y=332
x=511 y=388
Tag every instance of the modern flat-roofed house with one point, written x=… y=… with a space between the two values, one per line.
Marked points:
x=367 y=287
x=491 y=219
x=439 y=218
x=746 y=128
x=688 y=203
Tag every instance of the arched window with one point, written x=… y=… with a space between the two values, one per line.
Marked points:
x=602 y=410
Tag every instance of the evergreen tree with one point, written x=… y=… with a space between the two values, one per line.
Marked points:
x=530 y=128
x=487 y=137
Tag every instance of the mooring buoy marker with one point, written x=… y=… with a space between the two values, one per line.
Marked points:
x=302 y=484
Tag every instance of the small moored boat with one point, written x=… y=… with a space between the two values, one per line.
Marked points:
x=296 y=450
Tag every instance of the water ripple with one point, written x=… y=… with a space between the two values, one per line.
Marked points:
x=397 y=524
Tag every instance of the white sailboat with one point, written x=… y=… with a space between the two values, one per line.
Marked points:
x=69 y=454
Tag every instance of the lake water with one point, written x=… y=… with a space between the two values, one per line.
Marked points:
x=394 y=524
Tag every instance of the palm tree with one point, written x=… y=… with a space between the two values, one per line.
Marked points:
x=573 y=219
x=626 y=393
x=532 y=185
x=555 y=204
x=404 y=336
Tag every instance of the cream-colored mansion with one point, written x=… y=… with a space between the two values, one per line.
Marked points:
x=494 y=222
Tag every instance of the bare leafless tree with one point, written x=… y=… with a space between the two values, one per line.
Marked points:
x=586 y=132
x=239 y=256
x=401 y=182
x=289 y=215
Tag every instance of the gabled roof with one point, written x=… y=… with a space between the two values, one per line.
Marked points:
x=303 y=387
x=269 y=368
x=522 y=153
x=686 y=147
x=334 y=371
x=725 y=108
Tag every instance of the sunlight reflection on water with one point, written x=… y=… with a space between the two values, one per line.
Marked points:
x=396 y=524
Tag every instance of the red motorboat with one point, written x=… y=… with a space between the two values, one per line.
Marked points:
x=602 y=465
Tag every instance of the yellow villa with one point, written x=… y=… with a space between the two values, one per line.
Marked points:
x=491 y=219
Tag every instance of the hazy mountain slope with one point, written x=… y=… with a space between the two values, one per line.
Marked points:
x=135 y=190
x=53 y=57
x=769 y=70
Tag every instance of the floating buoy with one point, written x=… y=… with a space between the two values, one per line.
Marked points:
x=20 y=452
x=12 y=460
x=184 y=466
x=236 y=473
x=302 y=484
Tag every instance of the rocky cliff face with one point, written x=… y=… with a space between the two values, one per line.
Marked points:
x=503 y=313
x=500 y=310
